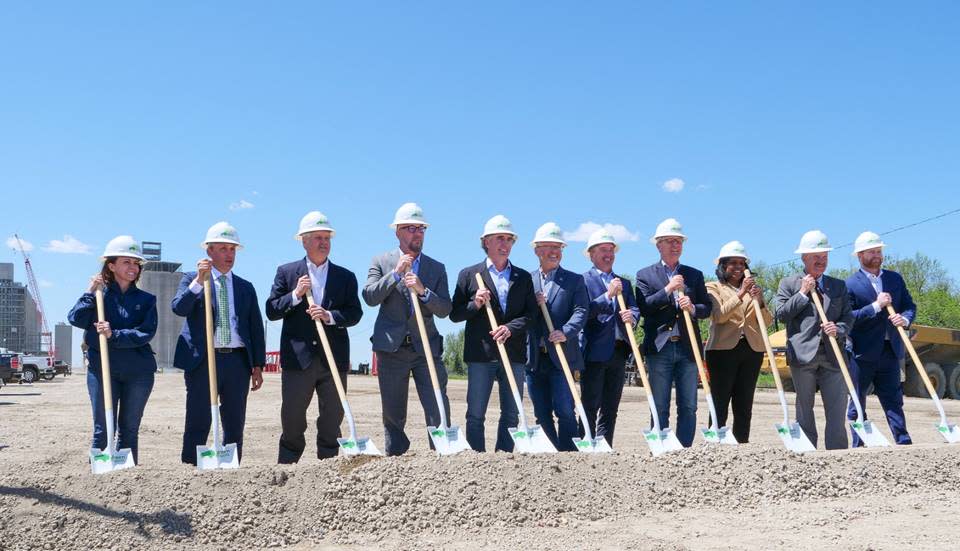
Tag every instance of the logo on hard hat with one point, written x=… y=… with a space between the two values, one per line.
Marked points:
x=822 y=243
x=503 y=225
x=675 y=227
x=555 y=233
x=133 y=248
x=227 y=233
x=321 y=221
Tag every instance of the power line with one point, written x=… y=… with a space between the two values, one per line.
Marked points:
x=888 y=232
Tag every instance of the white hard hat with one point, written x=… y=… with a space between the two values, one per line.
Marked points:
x=814 y=241
x=409 y=213
x=668 y=228
x=867 y=240
x=123 y=245
x=548 y=233
x=314 y=221
x=733 y=249
x=498 y=224
x=222 y=232
x=598 y=237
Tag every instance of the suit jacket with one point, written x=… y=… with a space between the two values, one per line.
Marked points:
x=870 y=329
x=396 y=319
x=732 y=317
x=603 y=316
x=299 y=341
x=797 y=311
x=191 y=348
x=568 y=304
x=660 y=313
x=478 y=345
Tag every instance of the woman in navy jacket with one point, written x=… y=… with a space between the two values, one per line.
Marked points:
x=131 y=322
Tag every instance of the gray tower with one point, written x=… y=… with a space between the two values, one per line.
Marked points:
x=162 y=279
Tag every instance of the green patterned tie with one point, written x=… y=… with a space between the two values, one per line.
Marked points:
x=223 y=319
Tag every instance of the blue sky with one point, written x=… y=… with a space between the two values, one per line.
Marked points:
x=152 y=119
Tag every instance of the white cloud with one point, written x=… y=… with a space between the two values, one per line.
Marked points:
x=69 y=245
x=619 y=232
x=673 y=185
x=12 y=243
x=242 y=204
x=45 y=283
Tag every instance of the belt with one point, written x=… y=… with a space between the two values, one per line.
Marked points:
x=230 y=350
x=544 y=351
x=407 y=341
x=675 y=338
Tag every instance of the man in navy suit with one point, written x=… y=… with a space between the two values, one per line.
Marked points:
x=304 y=364
x=666 y=342
x=877 y=348
x=238 y=341
x=565 y=296
x=604 y=339
x=509 y=290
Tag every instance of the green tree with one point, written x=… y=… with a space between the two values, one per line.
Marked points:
x=453 y=353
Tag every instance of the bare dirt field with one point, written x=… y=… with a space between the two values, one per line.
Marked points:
x=755 y=496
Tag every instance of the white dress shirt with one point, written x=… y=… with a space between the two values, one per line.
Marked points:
x=197 y=288
x=318 y=284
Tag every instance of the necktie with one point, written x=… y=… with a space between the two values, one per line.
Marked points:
x=223 y=305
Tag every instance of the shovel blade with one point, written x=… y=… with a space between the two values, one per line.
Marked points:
x=950 y=433
x=448 y=441
x=794 y=438
x=720 y=435
x=531 y=440
x=595 y=445
x=662 y=442
x=358 y=446
x=868 y=433
x=103 y=461
x=217 y=457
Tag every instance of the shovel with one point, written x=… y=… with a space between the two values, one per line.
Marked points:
x=714 y=434
x=659 y=440
x=790 y=433
x=215 y=456
x=949 y=432
x=526 y=438
x=352 y=445
x=863 y=427
x=110 y=458
x=588 y=444
x=447 y=439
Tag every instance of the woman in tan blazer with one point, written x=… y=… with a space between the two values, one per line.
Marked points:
x=735 y=347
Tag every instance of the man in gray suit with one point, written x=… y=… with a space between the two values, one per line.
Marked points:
x=811 y=358
x=396 y=337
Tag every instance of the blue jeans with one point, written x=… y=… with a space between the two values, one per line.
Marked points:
x=130 y=389
x=551 y=396
x=670 y=366
x=480 y=378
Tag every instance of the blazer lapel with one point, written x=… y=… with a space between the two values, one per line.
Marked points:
x=494 y=296
x=557 y=281
x=827 y=289
x=865 y=281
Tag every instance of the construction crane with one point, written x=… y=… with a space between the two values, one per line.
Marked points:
x=45 y=335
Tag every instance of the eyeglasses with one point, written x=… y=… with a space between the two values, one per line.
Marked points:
x=414 y=229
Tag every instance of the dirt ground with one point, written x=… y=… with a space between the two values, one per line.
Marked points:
x=751 y=496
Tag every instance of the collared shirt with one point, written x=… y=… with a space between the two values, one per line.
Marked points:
x=877 y=286
x=318 y=284
x=197 y=288
x=501 y=280
x=607 y=279
x=546 y=281
x=675 y=331
x=415 y=268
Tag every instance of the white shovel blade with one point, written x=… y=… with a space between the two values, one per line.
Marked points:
x=102 y=461
x=531 y=440
x=217 y=457
x=868 y=433
x=596 y=445
x=950 y=433
x=721 y=435
x=360 y=446
x=663 y=442
x=448 y=441
x=794 y=438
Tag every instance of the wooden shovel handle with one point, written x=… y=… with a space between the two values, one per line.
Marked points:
x=331 y=363
x=704 y=378
x=641 y=369
x=104 y=353
x=563 y=357
x=833 y=343
x=432 y=368
x=504 y=357
x=913 y=355
x=762 y=325
x=211 y=351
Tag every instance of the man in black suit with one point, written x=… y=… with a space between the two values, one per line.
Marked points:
x=666 y=343
x=304 y=365
x=510 y=292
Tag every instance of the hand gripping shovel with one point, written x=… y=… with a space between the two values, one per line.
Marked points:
x=659 y=440
x=215 y=456
x=949 y=432
x=526 y=438
x=864 y=428
x=353 y=445
x=714 y=434
x=588 y=444
x=447 y=439
x=110 y=458
x=793 y=437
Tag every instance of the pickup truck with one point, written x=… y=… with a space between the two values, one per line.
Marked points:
x=9 y=367
x=35 y=368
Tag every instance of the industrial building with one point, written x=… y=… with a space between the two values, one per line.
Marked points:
x=63 y=342
x=162 y=278
x=19 y=322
